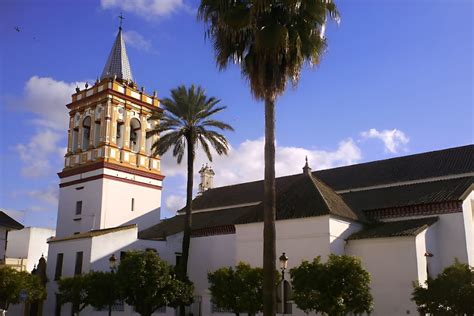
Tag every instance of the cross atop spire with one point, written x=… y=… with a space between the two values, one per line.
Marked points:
x=121 y=20
x=117 y=65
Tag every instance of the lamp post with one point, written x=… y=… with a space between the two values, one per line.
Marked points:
x=283 y=265
x=112 y=266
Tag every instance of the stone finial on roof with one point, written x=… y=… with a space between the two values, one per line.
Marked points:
x=117 y=65
x=306 y=168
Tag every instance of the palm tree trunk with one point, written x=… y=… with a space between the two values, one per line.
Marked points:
x=187 y=218
x=269 y=251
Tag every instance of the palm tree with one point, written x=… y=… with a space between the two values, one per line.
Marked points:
x=187 y=123
x=271 y=40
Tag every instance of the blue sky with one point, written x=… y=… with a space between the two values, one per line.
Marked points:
x=396 y=79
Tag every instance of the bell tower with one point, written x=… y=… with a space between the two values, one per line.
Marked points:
x=110 y=175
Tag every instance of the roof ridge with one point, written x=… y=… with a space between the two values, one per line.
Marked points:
x=398 y=157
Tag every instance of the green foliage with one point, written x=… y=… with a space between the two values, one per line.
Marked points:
x=102 y=289
x=337 y=287
x=238 y=290
x=271 y=39
x=187 y=121
x=451 y=293
x=147 y=283
x=12 y=282
x=74 y=290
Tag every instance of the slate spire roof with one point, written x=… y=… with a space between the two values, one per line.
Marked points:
x=117 y=64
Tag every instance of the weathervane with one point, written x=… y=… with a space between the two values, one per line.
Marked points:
x=121 y=20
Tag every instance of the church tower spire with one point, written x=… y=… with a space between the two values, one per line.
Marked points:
x=111 y=176
x=117 y=65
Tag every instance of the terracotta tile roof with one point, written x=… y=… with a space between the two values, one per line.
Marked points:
x=8 y=222
x=448 y=162
x=412 y=194
x=93 y=233
x=307 y=196
x=200 y=221
x=302 y=196
x=411 y=227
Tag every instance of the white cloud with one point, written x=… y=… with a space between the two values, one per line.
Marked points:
x=46 y=98
x=175 y=202
x=37 y=155
x=48 y=195
x=394 y=140
x=245 y=162
x=146 y=8
x=136 y=40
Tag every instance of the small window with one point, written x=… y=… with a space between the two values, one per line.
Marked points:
x=78 y=266
x=59 y=266
x=133 y=205
x=79 y=188
x=178 y=258
x=78 y=207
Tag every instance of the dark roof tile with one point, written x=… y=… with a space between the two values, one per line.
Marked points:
x=411 y=227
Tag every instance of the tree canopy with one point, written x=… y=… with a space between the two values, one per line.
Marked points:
x=103 y=289
x=238 y=289
x=450 y=293
x=13 y=283
x=74 y=290
x=337 y=287
x=148 y=283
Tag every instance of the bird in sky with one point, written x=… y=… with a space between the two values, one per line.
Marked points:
x=17 y=28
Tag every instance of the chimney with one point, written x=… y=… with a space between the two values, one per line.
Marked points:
x=207 y=176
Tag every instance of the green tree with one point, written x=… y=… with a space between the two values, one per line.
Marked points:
x=187 y=122
x=13 y=282
x=74 y=290
x=450 y=293
x=148 y=283
x=337 y=287
x=271 y=40
x=238 y=290
x=102 y=290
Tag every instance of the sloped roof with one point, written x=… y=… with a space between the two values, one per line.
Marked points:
x=307 y=196
x=117 y=64
x=411 y=194
x=8 y=222
x=303 y=196
x=201 y=220
x=411 y=227
x=93 y=233
x=435 y=164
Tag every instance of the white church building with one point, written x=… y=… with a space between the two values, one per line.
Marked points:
x=406 y=217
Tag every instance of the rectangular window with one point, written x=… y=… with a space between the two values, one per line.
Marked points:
x=78 y=266
x=78 y=207
x=59 y=266
x=178 y=258
x=133 y=205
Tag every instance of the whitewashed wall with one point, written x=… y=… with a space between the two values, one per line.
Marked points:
x=393 y=265
x=30 y=243
x=468 y=215
x=91 y=197
x=106 y=203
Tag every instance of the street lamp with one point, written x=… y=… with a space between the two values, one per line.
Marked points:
x=112 y=262
x=283 y=264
